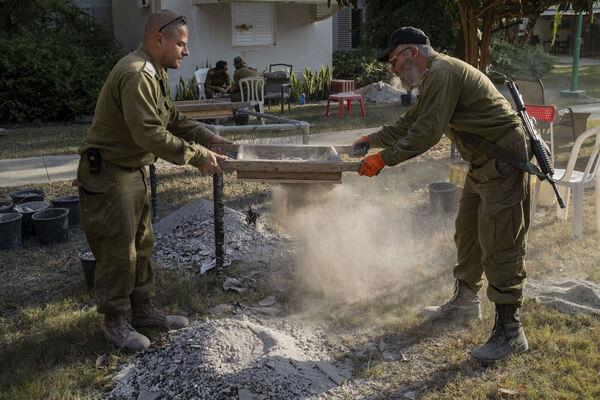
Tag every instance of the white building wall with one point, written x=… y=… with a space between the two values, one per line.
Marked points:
x=297 y=40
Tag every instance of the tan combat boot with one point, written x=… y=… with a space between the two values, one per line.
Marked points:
x=118 y=332
x=507 y=339
x=146 y=315
x=463 y=306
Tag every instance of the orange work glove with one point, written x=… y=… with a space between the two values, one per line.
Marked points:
x=371 y=165
x=360 y=147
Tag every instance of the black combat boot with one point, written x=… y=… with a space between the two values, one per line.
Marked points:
x=464 y=305
x=507 y=337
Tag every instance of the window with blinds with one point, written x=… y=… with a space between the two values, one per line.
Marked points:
x=252 y=24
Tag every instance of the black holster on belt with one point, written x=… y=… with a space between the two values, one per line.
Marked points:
x=94 y=159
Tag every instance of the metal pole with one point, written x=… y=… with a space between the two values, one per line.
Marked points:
x=153 y=190
x=218 y=212
x=574 y=92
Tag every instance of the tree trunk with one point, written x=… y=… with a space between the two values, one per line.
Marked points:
x=486 y=39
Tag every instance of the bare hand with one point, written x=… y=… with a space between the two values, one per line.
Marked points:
x=211 y=165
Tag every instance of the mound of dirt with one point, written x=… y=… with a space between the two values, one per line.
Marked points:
x=234 y=358
x=186 y=238
x=568 y=296
x=380 y=92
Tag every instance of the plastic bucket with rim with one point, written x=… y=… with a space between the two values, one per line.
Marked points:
x=6 y=206
x=72 y=204
x=26 y=196
x=10 y=231
x=52 y=225
x=443 y=197
x=28 y=209
x=88 y=264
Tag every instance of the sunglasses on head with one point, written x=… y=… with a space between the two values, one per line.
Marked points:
x=180 y=18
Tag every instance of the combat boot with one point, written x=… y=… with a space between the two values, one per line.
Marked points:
x=464 y=305
x=118 y=332
x=144 y=315
x=507 y=337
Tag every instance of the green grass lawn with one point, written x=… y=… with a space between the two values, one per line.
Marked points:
x=560 y=78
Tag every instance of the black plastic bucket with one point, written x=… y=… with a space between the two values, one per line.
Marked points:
x=88 y=264
x=443 y=197
x=26 y=196
x=71 y=203
x=6 y=206
x=52 y=225
x=10 y=231
x=28 y=209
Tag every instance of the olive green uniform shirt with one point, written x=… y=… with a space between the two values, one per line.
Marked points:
x=214 y=78
x=136 y=121
x=454 y=97
x=241 y=73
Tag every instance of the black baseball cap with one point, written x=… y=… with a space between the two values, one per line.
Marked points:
x=404 y=35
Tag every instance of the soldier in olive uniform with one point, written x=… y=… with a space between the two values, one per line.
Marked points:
x=241 y=71
x=493 y=218
x=135 y=122
x=217 y=81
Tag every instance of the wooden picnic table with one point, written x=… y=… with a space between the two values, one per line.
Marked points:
x=209 y=109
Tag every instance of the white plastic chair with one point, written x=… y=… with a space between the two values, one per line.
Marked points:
x=252 y=90
x=200 y=79
x=570 y=179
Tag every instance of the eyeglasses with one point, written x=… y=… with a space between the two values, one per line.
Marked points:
x=391 y=61
x=180 y=18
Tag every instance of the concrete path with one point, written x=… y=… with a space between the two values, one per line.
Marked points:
x=583 y=62
x=48 y=169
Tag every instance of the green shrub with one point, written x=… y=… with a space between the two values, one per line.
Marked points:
x=520 y=61
x=53 y=62
x=186 y=89
x=314 y=84
x=361 y=65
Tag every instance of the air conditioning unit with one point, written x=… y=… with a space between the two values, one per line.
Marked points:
x=143 y=3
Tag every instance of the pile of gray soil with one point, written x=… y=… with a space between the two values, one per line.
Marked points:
x=380 y=92
x=569 y=296
x=234 y=359
x=186 y=237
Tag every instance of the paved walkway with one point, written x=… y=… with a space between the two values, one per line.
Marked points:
x=583 y=62
x=48 y=169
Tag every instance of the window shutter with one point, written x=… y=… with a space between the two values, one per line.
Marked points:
x=252 y=24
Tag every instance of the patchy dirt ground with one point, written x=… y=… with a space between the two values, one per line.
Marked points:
x=339 y=318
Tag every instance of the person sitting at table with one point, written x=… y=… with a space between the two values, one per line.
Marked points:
x=217 y=81
x=241 y=71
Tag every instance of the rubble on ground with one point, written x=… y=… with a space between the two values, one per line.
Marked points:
x=238 y=358
x=380 y=92
x=568 y=296
x=186 y=238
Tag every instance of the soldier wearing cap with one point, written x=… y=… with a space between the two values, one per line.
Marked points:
x=241 y=71
x=135 y=123
x=460 y=101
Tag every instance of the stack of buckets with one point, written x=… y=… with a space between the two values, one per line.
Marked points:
x=28 y=215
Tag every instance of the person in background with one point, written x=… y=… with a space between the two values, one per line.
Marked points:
x=217 y=82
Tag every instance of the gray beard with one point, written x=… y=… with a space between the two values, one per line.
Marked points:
x=410 y=77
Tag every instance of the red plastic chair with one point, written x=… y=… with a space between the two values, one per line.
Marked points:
x=542 y=113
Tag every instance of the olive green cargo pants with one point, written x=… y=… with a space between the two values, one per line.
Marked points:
x=116 y=218
x=492 y=224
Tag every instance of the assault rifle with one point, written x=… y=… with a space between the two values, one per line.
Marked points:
x=540 y=149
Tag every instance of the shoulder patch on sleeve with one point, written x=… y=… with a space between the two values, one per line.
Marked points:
x=149 y=69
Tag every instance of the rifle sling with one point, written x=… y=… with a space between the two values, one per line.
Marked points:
x=500 y=153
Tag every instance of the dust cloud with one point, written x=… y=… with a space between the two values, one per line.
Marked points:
x=355 y=242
